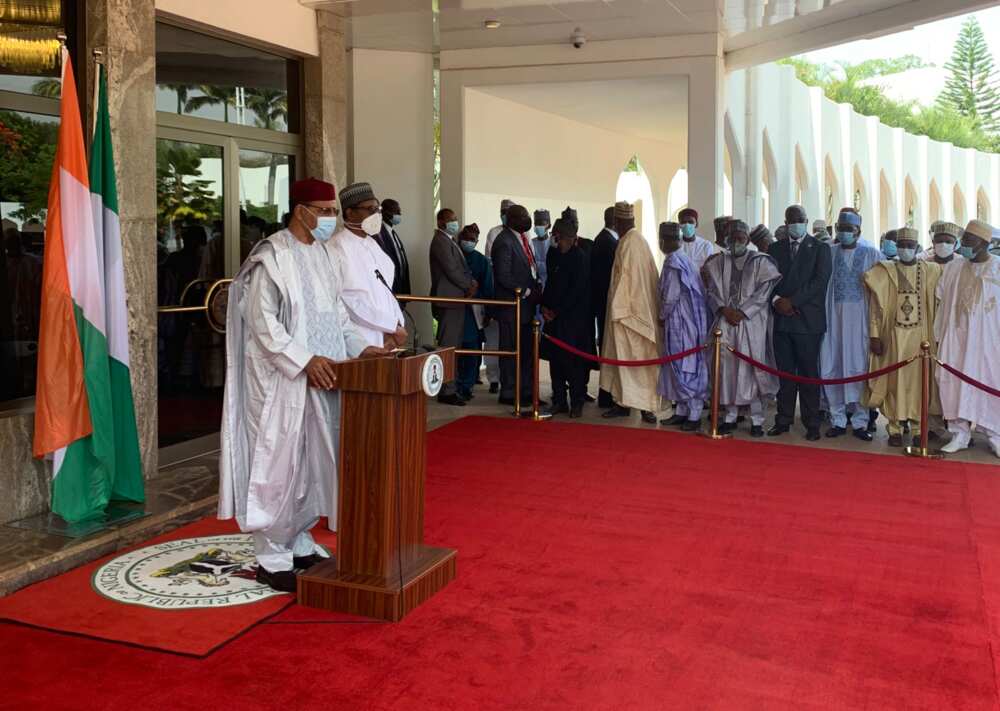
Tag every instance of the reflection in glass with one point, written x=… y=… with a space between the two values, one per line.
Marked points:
x=29 y=46
x=199 y=75
x=264 y=190
x=191 y=256
x=27 y=149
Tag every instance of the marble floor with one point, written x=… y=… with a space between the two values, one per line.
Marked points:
x=189 y=491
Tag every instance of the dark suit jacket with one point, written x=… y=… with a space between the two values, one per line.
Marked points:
x=511 y=270
x=567 y=292
x=804 y=281
x=450 y=273
x=602 y=261
x=393 y=246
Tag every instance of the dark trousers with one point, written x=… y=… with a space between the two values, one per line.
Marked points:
x=798 y=353
x=507 y=365
x=451 y=327
x=468 y=366
x=568 y=373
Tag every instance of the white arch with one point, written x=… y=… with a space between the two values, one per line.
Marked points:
x=634 y=187
x=911 y=202
x=958 y=200
x=677 y=194
x=885 y=204
x=982 y=205
x=934 y=202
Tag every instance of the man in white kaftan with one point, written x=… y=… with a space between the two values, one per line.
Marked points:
x=738 y=288
x=693 y=245
x=367 y=270
x=845 y=348
x=286 y=324
x=967 y=327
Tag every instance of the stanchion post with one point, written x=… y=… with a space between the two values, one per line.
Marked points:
x=536 y=333
x=517 y=351
x=925 y=403
x=716 y=363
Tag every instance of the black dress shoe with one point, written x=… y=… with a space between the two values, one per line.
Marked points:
x=648 y=417
x=453 y=399
x=873 y=420
x=674 y=421
x=836 y=431
x=691 y=426
x=558 y=408
x=895 y=440
x=757 y=431
x=778 y=430
x=863 y=434
x=576 y=412
x=727 y=427
x=494 y=388
x=282 y=581
x=307 y=561
x=505 y=400
x=616 y=411
x=587 y=397
x=813 y=434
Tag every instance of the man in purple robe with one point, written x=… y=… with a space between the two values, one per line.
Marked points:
x=684 y=316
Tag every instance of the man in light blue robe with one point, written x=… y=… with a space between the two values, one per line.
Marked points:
x=845 y=348
x=684 y=315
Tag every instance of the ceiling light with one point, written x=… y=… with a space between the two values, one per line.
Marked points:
x=492 y=24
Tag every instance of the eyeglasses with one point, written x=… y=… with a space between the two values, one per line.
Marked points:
x=370 y=210
x=321 y=211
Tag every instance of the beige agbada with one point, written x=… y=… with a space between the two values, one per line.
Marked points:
x=632 y=325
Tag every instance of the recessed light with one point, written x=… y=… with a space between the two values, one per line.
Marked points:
x=492 y=24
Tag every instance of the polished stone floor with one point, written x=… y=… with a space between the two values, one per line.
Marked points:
x=189 y=491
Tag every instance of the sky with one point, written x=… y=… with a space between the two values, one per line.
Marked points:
x=932 y=42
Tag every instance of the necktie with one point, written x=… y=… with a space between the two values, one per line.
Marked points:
x=795 y=248
x=527 y=250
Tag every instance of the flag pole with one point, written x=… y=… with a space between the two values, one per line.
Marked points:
x=99 y=65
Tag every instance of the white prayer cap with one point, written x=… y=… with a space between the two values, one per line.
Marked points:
x=980 y=229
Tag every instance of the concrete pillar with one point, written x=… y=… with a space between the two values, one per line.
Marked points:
x=126 y=32
x=753 y=151
x=706 y=116
x=392 y=147
x=324 y=103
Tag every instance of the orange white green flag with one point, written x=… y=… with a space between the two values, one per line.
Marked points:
x=73 y=413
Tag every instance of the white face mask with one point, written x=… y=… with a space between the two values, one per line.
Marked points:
x=372 y=224
x=944 y=249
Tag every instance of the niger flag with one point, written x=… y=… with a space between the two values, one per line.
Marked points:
x=73 y=406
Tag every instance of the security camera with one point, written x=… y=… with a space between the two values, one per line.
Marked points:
x=579 y=39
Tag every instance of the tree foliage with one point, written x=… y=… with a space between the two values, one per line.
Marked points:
x=971 y=89
x=858 y=86
x=29 y=148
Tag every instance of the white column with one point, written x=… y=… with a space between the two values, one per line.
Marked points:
x=753 y=150
x=706 y=112
x=392 y=114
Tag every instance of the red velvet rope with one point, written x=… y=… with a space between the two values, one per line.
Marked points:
x=627 y=363
x=820 y=381
x=971 y=381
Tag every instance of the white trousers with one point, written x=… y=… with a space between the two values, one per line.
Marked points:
x=859 y=416
x=275 y=556
x=492 y=334
x=962 y=435
x=756 y=412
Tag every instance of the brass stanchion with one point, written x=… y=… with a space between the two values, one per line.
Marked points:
x=517 y=350
x=925 y=402
x=716 y=362
x=536 y=333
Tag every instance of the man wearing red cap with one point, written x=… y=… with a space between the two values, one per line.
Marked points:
x=286 y=327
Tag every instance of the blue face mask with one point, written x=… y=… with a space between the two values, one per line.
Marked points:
x=324 y=229
x=452 y=227
x=797 y=230
x=541 y=230
x=396 y=220
x=967 y=252
x=907 y=255
x=468 y=246
x=687 y=230
x=889 y=248
x=503 y=220
x=847 y=238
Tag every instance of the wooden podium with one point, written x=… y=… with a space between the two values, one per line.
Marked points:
x=382 y=568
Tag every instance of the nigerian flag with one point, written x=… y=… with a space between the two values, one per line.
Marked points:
x=84 y=415
x=126 y=482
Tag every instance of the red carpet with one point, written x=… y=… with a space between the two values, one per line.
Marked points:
x=71 y=603
x=606 y=568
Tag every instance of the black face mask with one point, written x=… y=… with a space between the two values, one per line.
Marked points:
x=519 y=225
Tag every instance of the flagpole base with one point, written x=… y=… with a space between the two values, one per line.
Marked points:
x=923 y=453
x=714 y=435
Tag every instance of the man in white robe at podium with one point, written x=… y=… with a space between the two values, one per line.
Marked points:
x=286 y=326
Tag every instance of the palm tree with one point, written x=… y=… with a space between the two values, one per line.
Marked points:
x=49 y=88
x=271 y=109
x=212 y=96
x=181 y=90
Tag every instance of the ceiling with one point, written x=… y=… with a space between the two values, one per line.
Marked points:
x=656 y=106
x=459 y=24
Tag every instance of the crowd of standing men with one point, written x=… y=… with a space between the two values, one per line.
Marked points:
x=822 y=304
